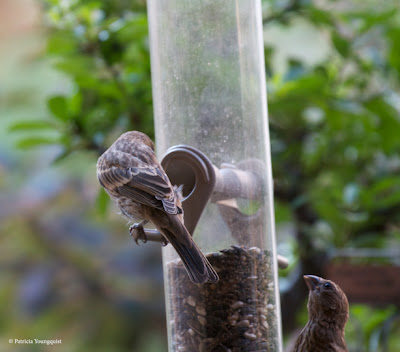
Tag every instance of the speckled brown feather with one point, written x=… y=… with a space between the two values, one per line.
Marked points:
x=134 y=179
x=328 y=312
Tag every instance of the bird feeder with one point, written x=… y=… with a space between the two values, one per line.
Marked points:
x=212 y=135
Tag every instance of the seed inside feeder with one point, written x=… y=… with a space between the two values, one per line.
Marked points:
x=235 y=314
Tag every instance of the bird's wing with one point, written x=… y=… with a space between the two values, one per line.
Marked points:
x=144 y=184
x=151 y=186
x=138 y=177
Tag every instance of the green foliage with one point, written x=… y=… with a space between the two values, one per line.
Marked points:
x=368 y=327
x=336 y=129
x=101 y=47
x=334 y=139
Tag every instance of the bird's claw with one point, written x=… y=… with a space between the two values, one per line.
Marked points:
x=137 y=232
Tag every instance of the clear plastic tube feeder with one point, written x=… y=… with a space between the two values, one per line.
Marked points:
x=210 y=103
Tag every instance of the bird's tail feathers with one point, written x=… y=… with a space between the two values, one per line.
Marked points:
x=196 y=264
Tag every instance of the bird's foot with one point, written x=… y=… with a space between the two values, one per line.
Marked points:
x=137 y=232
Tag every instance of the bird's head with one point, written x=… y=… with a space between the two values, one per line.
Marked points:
x=326 y=300
x=138 y=137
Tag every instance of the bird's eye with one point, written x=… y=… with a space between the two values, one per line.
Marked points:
x=327 y=285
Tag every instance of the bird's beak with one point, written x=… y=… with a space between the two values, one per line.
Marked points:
x=312 y=281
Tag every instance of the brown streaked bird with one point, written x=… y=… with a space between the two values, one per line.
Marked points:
x=135 y=180
x=328 y=311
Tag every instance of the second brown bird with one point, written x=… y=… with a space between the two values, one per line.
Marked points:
x=328 y=312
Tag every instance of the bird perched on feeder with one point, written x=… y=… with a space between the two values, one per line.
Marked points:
x=135 y=180
x=328 y=311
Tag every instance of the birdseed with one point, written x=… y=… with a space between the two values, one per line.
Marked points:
x=236 y=314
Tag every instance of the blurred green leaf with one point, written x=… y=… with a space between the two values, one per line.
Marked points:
x=341 y=44
x=320 y=16
x=370 y=19
x=394 y=50
x=102 y=202
x=61 y=43
x=31 y=125
x=383 y=194
x=75 y=103
x=58 y=106
x=79 y=67
x=29 y=142
x=388 y=122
